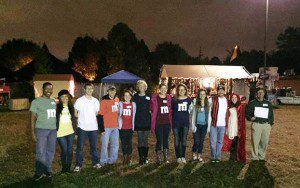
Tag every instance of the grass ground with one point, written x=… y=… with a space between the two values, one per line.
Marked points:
x=282 y=168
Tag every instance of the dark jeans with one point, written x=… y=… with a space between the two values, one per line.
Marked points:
x=126 y=141
x=180 y=138
x=233 y=149
x=199 y=137
x=93 y=137
x=66 y=146
x=45 y=150
x=162 y=136
x=143 y=138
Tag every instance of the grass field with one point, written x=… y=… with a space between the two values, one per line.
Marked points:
x=281 y=169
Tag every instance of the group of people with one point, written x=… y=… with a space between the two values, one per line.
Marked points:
x=223 y=117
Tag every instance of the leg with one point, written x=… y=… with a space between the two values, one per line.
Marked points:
x=233 y=149
x=122 y=138
x=40 y=151
x=196 y=138
x=166 y=133
x=202 y=133
x=70 y=139
x=130 y=142
x=184 y=140
x=114 y=145
x=62 y=141
x=51 y=141
x=176 y=142
x=256 y=136
x=159 y=137
x=213 y=142
x=80 y=144
x=104 y=145
x=220 y=136
x=264 y=141
x=93 y=140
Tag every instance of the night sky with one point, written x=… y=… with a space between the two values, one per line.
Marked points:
x=213 y=25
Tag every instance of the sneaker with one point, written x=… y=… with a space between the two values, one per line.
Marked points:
x=179 y=160
x=77 y=169
x=213 y=160
x=217 y=160
x=97 y=166
x=49 y=174
x=38 y=177
x=183 y=160
x=200 y=158
x=146 y=161
x=195 y=158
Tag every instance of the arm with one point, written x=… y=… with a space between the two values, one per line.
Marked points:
x=271 y=114
x=33 y=121
x=250 y=111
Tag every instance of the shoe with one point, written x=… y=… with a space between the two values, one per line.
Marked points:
x=195 y=158
x=49 y=174
x=166 y=157
x=97 y=166
x=77 y=169
x=213 y=160
x=217 y=161
x=140 y=151
x=146 y=149
x=200 y=158
x=179 y=160
x=183 y=160
x=38 y=177
x=158 y=157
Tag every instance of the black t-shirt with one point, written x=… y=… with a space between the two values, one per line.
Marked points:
x=180 y=109
x=142 y=115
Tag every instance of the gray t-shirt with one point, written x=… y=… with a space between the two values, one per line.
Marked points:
x=45 y=110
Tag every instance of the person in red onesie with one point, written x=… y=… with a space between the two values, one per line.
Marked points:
x=235 y=137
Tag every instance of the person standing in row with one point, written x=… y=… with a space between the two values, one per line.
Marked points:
x=218 y=119
x=180 y=108
x=199 y=123
x=43 y=124
x=66 y=124
x=161 y=121
x=109 y=110
x=127 y=110
x=235 y=137
x=142 y=120
x=260 y=112
x=86 y=109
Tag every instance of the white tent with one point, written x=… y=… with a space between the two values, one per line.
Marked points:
x=204 y=71
x=59 y=82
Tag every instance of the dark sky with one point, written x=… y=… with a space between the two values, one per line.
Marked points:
x=213 y=25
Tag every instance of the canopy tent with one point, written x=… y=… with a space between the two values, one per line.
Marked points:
x=121 y=77
x=204 y=71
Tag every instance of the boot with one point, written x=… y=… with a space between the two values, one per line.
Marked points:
x=140 y=150
x=68 y=168
x=63 y=168
x=158 y=157
x=146 y=155
x=128 y=160
x=124 y=159
x=166 y=152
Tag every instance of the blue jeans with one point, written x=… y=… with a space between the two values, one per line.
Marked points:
x=180 y=140
x=111 y=135
x=93 y=137
x=45 y=150
x=216 y=141
x=66 y=146
x=199 y=137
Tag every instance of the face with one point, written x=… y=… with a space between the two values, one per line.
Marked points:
x=234 y=99
x=221 y=92
x=181 y=91
x=64 y=99
x=202 y=95
x=48 y=90
x=142 y=88
x=163 y=90
x=112 y=93
x=260 y=94
x=89 y=90
x=127 y=97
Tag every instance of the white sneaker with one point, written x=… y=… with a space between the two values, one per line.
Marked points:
x=183 y=160
x=77 y=169
x=179 y=160
x=97 y=166
x=195 y=158
x=200 y=158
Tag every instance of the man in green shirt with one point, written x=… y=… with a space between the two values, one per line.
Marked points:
x=260 y=112
x=43 y=124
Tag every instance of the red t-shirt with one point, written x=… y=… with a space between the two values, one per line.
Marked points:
x=163 y=111
x=127 y=115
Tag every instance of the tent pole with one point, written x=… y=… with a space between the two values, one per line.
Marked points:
x=100 y=91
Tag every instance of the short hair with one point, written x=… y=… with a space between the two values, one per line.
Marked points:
x=46 y=84
x=141 y=82
x=88 y=84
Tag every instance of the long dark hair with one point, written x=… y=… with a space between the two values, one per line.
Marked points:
x=198 y=101
x=60 y=107
x=123 y=96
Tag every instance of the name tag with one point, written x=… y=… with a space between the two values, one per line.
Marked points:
x=164 y=110
x=164 y=101
x=114 y=108
x=265 y=104
x=128 y=106
x=147 y=98
x=53 y=103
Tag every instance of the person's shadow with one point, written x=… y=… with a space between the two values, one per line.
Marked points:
x=258 y=175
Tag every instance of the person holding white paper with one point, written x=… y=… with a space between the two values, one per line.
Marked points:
x=260 y=112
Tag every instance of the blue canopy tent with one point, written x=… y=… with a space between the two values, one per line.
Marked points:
x=121 y=77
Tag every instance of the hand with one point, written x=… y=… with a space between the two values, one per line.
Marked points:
x=34 y=137
x=253 y=118
x=103 y=133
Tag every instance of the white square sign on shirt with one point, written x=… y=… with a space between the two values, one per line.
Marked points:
x=182 y=107
x=164 y=110
x=126 y=112
x=261 y=112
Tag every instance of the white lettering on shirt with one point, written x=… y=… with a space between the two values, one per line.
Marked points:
x=126 y=112
x=182 y=107
x=51 y=113
x=164 y=110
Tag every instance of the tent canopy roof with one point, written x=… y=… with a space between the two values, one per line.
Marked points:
x=204 y=71
x=121 y=77
x=53 y=77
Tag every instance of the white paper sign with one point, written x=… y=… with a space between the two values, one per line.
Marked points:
x=261 y=112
